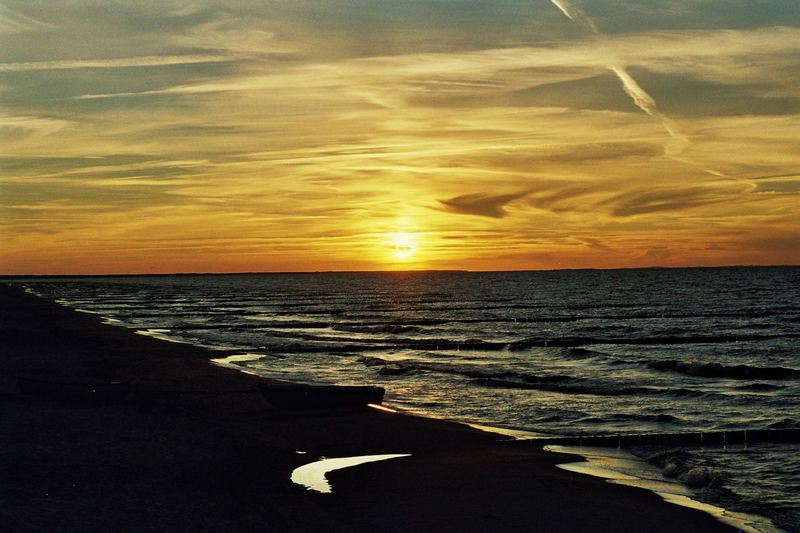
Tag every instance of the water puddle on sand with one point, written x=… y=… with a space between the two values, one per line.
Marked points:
x=237 y=358
x=312 y=475
x=624 y=468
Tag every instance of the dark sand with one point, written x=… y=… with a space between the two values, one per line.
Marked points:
x=218 y=459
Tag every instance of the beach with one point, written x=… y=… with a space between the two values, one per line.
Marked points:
x=219 y=458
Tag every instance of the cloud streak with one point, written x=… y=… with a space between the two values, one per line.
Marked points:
x=576 y=14
x=718 y=55
x=481 y=204
x=35 y=125
x=13 y=22
x=640 y=97
x=125 y=62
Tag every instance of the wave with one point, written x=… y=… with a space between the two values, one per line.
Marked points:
x=582 y=353
x=505 y=379
x=785 y=423
x=760 y=387
x=592 y=389
x=718 y=370
x=407 y=366
x=680 y=464
x=378 y=328
x=570 y=342
x=659 y=418
x=304 y=342
x=551 y=318
x=521 y=345
x=289 y=336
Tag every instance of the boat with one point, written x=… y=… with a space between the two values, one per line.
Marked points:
x=98 y=390
x=300 y=397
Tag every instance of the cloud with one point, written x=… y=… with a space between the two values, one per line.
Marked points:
x=576 y=14
x=23 y=125
x=481 y=204
x=564 y=198
x=642 y=202
x=13 y=22
x=233 y=34
x=726 y=56
x=640 y=97
x=145 y=61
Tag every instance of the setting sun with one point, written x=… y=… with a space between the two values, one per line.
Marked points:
x=528 y=136
x=403 y=245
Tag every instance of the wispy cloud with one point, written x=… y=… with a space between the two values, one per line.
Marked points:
x=12 y=125
x=576 y=14
x=14 y=22
x=719 y=55
x=640 y=202
x=235 y=35
x=640 y=97
x=481 y=204
x=643 y=99
x=124 y=62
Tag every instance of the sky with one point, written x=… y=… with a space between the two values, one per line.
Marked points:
x=162 y=136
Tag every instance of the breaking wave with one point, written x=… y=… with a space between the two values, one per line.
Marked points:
x=718 y=370
x=592 y=389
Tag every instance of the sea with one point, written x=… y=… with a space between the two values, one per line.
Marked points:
x=539 y=353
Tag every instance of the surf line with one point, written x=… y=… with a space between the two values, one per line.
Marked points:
x=312 y=475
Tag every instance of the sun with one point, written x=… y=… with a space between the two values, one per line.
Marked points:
x=403 y=245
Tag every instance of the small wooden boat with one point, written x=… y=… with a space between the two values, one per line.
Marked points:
x=101 y=390
x=298 y=397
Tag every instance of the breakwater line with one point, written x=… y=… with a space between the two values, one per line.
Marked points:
x=688 y=439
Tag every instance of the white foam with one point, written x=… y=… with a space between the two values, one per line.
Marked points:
x=622 y=467
x=160 y=334
x=231 y=360
x=517 y=434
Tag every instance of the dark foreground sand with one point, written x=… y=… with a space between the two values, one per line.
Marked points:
x=218 y=459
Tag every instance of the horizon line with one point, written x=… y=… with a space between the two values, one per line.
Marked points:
x=410 y=271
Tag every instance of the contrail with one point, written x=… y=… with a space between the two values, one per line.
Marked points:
x=640 y=97
x=647 y=103
x=576 y=14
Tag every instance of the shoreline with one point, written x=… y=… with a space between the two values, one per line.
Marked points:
x=219 y=459
x=620 y=466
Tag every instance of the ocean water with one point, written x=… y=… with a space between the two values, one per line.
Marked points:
x=554 y=353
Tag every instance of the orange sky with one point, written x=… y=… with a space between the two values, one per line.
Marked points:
x=368 y=135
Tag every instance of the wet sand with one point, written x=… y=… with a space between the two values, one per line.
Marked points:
x=218 y=458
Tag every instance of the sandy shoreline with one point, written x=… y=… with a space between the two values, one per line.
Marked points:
x=218 y=459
